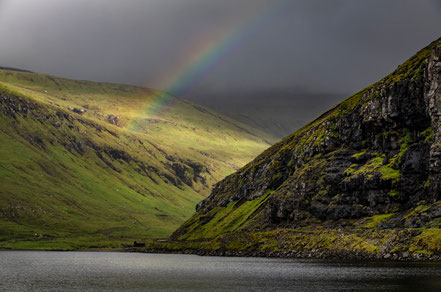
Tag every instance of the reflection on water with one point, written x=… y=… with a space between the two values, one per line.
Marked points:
x=28 y=270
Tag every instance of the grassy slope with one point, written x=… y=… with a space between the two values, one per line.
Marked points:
x=75 y=180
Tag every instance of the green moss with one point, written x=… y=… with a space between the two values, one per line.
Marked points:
x=412 y=68
x=373 y=167
x=351 y=169
x=421 y=208
x=314 y=166
x=374 y=221
x=427 y=182
x=358 y=155
x=275 y=164
x=406 y=140
x=428 y=134
x=388 y=173
x=429 y=240
x=316 y=241
x=368 y=170
x=394 y=193
x=277 y=176
x=223 y=219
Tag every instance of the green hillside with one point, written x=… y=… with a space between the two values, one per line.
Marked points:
x=86 y=164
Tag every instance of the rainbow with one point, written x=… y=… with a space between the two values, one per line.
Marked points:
x=205 y=54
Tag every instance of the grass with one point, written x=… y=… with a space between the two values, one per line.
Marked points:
x=224 y=219
x=375 y=221
x=72 y=180
x=320 y=242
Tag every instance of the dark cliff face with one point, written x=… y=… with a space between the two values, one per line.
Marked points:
x=377 y=152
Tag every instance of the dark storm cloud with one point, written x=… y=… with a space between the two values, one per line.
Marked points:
x=319 y=46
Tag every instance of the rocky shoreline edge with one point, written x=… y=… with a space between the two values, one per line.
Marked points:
x=317 y=255
x=336 y=243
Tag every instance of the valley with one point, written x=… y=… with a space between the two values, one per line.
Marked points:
x=94 y=165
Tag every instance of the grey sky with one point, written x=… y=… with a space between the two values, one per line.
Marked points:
x=318 y=46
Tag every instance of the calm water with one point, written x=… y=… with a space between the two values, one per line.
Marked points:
x=26 y=270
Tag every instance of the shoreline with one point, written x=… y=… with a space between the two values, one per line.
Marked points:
x=64 y=250
x=337 y=256
x=294 y=255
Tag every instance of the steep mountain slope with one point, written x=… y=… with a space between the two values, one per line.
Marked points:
x=86 y=164
x=363 y=179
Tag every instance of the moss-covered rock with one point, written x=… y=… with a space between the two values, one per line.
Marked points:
x=366 y=166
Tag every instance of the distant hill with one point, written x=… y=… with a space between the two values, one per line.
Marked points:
x=14 y=69
x=363 y=180
x=86 y=164
x=279 y=112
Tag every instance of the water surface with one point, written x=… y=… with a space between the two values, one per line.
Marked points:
x=55 y=271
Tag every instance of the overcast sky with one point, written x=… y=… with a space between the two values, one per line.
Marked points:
x=319 y=46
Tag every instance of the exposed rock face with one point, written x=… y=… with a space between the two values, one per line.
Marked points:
x=377 y=152
x=113 y=119
x=77 y=110
x=189 y=171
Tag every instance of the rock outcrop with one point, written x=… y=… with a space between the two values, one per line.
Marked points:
x=373 y=162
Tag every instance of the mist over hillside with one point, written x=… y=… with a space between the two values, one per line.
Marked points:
x=276 y=111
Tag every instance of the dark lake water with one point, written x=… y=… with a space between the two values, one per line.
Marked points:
x=89 y=271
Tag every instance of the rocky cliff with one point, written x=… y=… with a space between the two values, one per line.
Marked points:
x=364 y=178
